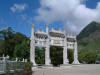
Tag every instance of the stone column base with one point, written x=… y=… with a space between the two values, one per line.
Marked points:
x=34 y=68
x=76 y=62
x=50 y=65
x=34 y=65
x=65 y=65
x=66 y=62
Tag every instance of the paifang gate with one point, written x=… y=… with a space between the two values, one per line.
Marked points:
x=53 y=38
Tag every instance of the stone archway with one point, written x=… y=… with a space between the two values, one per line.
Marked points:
x=44 y=39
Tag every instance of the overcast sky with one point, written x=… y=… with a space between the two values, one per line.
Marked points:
x=72 y=14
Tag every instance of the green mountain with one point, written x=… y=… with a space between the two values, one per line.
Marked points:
x=91 y=31
x=89 y=43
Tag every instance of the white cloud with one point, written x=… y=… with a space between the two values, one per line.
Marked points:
x=18 y=7
x=23 y=16
x=73 y=13
x=83 y=1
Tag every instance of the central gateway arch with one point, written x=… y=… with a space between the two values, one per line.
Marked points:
x=53 y=38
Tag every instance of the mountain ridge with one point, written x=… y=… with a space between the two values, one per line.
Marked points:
x=89 y=43
x=89 y=29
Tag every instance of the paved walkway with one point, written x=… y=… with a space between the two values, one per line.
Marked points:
x=92 y=69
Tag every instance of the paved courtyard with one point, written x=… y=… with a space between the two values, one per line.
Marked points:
x=91 y=69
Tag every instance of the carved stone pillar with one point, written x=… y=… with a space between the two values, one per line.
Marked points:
x=47 y=54
x=65 y=59
x=75 y=54
x=32 y=53
x=32 y=47
x=47 y=50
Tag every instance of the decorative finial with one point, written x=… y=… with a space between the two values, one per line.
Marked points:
x=75 y=34
x=32 y=32
x=47 y=25
x=64 y=30
x=32 y=25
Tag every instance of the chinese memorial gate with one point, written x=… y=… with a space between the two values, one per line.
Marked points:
x=53 y=38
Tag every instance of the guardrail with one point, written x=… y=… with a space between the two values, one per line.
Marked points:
x=7 y=66
x=2 y=68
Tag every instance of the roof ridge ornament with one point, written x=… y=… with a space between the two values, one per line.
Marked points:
x=47 y=25
x=32 y=25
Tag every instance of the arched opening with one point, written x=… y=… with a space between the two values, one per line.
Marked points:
x=70 y=55
x=56 y=55
x=40 y=55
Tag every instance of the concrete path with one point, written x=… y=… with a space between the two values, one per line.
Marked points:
x=92 y=69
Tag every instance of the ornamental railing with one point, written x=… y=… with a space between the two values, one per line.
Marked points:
x=7 y=66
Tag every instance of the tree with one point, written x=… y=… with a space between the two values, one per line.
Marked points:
x=70 y=56
x=56 y=54
x=40 y=55
x=87 y=56
x=10 y=40
x=6 y=35
x=22 y=50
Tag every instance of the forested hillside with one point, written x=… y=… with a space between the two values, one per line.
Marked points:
x=89 y=43
x=10 y=41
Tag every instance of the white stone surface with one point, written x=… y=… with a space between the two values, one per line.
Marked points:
x=47 y=51
x=65 y=58
x=75 y=54
x=47 y=55
x=32 y=47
